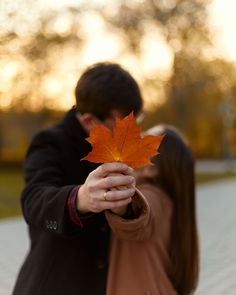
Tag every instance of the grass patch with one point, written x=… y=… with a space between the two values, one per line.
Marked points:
x=11 y=184
x=203 y=178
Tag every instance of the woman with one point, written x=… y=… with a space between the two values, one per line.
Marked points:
x=154 y=246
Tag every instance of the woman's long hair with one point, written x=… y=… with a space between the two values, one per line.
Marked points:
x=175 y=175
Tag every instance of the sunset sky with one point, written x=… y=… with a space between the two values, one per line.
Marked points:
x=103 y=45
x=222 y=20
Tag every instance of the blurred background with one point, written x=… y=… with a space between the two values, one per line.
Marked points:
x=181 y=52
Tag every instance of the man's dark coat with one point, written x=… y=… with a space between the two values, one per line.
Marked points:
x=63 y=259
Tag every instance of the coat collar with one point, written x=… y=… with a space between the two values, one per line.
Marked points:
x=72 y=125
x=76 y=131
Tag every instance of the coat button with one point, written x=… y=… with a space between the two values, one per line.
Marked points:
x=54 y=225
x=50 y=224
x=47 y=223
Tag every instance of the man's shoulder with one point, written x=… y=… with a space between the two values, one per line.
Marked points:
x=68 y=128
x=50 y=134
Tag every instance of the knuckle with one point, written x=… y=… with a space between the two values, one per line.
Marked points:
x=109 y=182
x=101 y=168
x=92 y=173
x=93 y=187
x=104 y=168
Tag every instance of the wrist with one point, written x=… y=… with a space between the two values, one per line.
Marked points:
x=80 y=201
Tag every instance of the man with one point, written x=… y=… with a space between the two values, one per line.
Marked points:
x=64 y=198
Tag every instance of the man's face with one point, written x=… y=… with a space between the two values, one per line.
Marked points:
x=88 y=119
x=110 y=121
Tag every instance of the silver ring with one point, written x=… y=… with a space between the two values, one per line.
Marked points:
x=104 y=196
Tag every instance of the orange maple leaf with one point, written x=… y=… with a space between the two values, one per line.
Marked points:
x=124 y=144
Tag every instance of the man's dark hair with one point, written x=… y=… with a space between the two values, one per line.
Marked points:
x=104 y=87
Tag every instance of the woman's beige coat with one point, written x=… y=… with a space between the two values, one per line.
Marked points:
x=139 y=262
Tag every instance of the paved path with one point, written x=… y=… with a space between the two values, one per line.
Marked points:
x=214 y=166
x=217 y=226
x=13 y=247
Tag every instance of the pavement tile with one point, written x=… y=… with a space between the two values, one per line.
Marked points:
x=216 y=212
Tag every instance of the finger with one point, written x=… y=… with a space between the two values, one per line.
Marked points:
x=123 y=187
x=116 y=204
x=108 y=168
x=129 y=171
x=115 y=181
x=116 y=195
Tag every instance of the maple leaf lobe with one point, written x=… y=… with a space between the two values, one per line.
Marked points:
x=124 y=144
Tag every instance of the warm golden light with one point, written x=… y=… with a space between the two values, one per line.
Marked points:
x=100 y=43
x=223 y=22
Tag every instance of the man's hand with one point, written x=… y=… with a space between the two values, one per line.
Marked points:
x=98 y=193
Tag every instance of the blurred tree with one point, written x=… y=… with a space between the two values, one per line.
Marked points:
x=30 y=59
x=40 y=50
x=18 y=128
x=198 y=113
x=197 y=85
x=182 y=22
x=1 y=135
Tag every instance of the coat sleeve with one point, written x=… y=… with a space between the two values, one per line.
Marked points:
x=147 y=211
x=44 y=198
